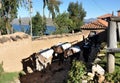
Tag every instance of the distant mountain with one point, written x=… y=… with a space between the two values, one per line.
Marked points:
x=25 y=21
x=89 y=20
x=49 y=22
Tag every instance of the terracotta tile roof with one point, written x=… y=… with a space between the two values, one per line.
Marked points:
x=97 y=24
x=105 y=16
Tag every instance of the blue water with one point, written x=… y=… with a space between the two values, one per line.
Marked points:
x=18 y=27
x=49 y=29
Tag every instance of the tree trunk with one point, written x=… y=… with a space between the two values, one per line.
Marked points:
x=43 y=12
x=112 y=43
x=7 y=29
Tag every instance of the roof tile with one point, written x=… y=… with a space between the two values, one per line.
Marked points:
x=105 y=16
x=97 y=24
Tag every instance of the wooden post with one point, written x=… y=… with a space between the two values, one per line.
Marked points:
x=112 y=43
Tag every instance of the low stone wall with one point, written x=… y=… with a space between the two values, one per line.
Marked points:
x=57 y=36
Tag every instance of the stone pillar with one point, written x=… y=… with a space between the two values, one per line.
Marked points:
x=112 y=35
x=112 y=43
x=110 y=62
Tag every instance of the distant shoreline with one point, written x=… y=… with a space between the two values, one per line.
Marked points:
x=19 y=28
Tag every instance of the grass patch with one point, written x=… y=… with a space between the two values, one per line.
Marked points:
x=8 y=77
x=115 y=76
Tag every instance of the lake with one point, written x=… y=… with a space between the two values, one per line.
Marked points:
x=18 y=28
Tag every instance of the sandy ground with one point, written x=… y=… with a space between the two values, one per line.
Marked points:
x=11 y=53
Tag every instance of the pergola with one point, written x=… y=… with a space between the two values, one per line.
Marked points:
x=114 y=24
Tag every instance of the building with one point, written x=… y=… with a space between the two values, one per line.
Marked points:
x=99 y=25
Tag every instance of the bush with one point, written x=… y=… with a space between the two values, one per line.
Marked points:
x=77 y=72
x=113 y=77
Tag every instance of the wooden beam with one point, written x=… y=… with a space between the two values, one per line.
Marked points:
x=116 y=19
x=113 y=50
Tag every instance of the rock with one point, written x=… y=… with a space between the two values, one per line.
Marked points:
x=100 y=55
x=97 y=68
x=101 y=78
x=97 y=60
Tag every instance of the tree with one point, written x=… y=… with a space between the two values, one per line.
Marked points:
x=9 y=12
x=63 y=23
x=45 y=2
x=38 y=25
x=76 y=14
x=53 y=6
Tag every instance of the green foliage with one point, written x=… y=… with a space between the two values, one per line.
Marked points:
x=115 y=76
x=77 y=14
x=38 y=25
x=77 y=72
x=63 y=23
x=8 y=77
x=2 y=27
x=8 y=12
x=53 y=6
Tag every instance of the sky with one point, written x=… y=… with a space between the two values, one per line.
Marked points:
x=93 y=8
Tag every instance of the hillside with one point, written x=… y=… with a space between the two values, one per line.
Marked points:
x=25 y=21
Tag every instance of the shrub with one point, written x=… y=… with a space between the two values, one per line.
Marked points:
x=113 y=77
x=77 y=72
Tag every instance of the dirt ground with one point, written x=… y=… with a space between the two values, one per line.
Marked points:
x=11 y=53
x=55 y=74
